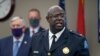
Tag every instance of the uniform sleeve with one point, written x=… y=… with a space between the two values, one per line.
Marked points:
x=0 y=47
x=84 y=49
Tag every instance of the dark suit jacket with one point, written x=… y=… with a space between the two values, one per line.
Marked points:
x=69 y=44
x=27 y=31
x=6 y=46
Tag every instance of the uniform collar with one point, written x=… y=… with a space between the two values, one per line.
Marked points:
x=57 y=34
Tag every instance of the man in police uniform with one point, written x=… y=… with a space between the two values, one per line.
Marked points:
x=58 y=40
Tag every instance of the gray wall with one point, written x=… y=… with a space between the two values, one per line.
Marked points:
x=22 y=7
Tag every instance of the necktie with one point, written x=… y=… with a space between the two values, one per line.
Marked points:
x=53 y=42
x=33 y=32
x=15 y=48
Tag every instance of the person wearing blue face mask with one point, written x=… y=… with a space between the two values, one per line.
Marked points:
x=18 y=43
x=34 y=18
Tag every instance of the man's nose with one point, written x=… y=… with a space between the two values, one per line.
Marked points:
x=60 y=18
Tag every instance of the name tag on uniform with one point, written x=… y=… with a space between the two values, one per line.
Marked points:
x=36 y=52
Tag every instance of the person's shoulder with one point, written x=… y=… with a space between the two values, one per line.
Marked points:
x=41 y=28
x=37 y=38
x=4 y=39
x=39 y=35
x=77 y=35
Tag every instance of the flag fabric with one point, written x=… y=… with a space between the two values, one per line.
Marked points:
x=99 y=21
x=81 y=21
x=62 y=4
x=80 y=18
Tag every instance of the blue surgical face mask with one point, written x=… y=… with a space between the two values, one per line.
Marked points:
x=17 y=32
x=34 y=22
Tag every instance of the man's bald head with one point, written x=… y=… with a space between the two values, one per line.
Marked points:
x=53 y=9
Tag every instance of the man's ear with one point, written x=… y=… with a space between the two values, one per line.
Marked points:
x=47 y=17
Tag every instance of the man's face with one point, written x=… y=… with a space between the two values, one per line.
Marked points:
x=16 y=24
x=57 y=19
x=34 y=18
x=33 y=15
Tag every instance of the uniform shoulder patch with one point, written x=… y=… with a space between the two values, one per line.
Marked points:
x=76 y=33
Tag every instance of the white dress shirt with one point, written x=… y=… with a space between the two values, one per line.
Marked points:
x=35 y=30
x=57 y=36
x=20 y=40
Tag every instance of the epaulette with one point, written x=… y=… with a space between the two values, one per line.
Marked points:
x=76 y=33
